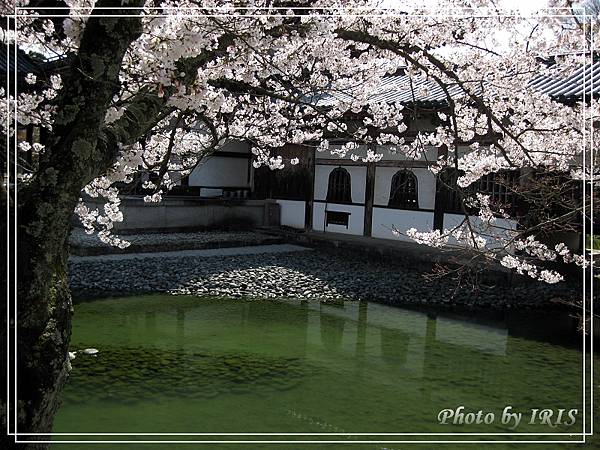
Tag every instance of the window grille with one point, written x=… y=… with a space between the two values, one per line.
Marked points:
x=404 y=190
x=499 y=186
x=337 y=218
x=338 y=187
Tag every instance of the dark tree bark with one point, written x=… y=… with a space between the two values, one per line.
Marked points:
x=80 y=148
x=77 y=151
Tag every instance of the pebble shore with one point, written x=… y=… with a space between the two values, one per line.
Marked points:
x=310 y=274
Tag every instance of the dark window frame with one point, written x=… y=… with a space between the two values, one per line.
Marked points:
x=341 y=218
x=339 y=186
x=500 y=194
x=404 y=190
x=294 y=182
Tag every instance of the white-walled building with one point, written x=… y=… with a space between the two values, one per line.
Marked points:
x=224 y=172
x=326 y=193
x=332 y=194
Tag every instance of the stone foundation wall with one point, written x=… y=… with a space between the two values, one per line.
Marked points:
x=191 y=214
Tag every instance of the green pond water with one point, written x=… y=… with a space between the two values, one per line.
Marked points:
x=182 y=364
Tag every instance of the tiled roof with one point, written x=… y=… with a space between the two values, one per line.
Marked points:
x=25 y=64
x=400 y=88
x=584 y=81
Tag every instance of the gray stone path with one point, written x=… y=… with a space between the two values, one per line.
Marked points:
x=83 y=244
x=79 y=238
x=231 y=251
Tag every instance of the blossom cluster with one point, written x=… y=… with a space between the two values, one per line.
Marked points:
x=317 y=78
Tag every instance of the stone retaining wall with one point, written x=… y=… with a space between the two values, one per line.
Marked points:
x=190 y=213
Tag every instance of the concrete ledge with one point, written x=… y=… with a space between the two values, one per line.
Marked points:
x=177 y=241
x=200 y=253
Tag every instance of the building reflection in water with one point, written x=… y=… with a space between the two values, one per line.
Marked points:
x=408 y=341
x=439 y=360
x=332 y=328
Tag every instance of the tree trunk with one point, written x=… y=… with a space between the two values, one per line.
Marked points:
x=43 y=320
x=75 y=153
x=79 y=149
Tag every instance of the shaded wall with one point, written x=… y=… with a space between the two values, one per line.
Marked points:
x=185 y=213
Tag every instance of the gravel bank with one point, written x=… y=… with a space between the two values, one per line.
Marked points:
x=304 y=275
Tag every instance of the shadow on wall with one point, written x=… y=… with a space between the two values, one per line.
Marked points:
x=192 y=214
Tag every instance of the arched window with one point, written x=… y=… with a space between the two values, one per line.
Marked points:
x=404 y=190
x=338 y=188
x=499 y=186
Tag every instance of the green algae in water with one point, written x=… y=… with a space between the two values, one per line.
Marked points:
x=138 y=374
x=184 y=364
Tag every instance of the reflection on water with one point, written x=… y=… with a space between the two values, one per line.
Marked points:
x=177 y=364
x=136 y=374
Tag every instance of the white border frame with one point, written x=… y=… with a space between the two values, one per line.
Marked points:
x=16 y=434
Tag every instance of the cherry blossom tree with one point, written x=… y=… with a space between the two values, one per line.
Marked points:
x=158 y=90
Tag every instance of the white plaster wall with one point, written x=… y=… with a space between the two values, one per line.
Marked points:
x=425 y=180
x=291 y=213
x=402 y=219
x=453 y=220
x=355 y=220
x=221 y=171
x=429 y=155
x=358 y=179
x=326 y=154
